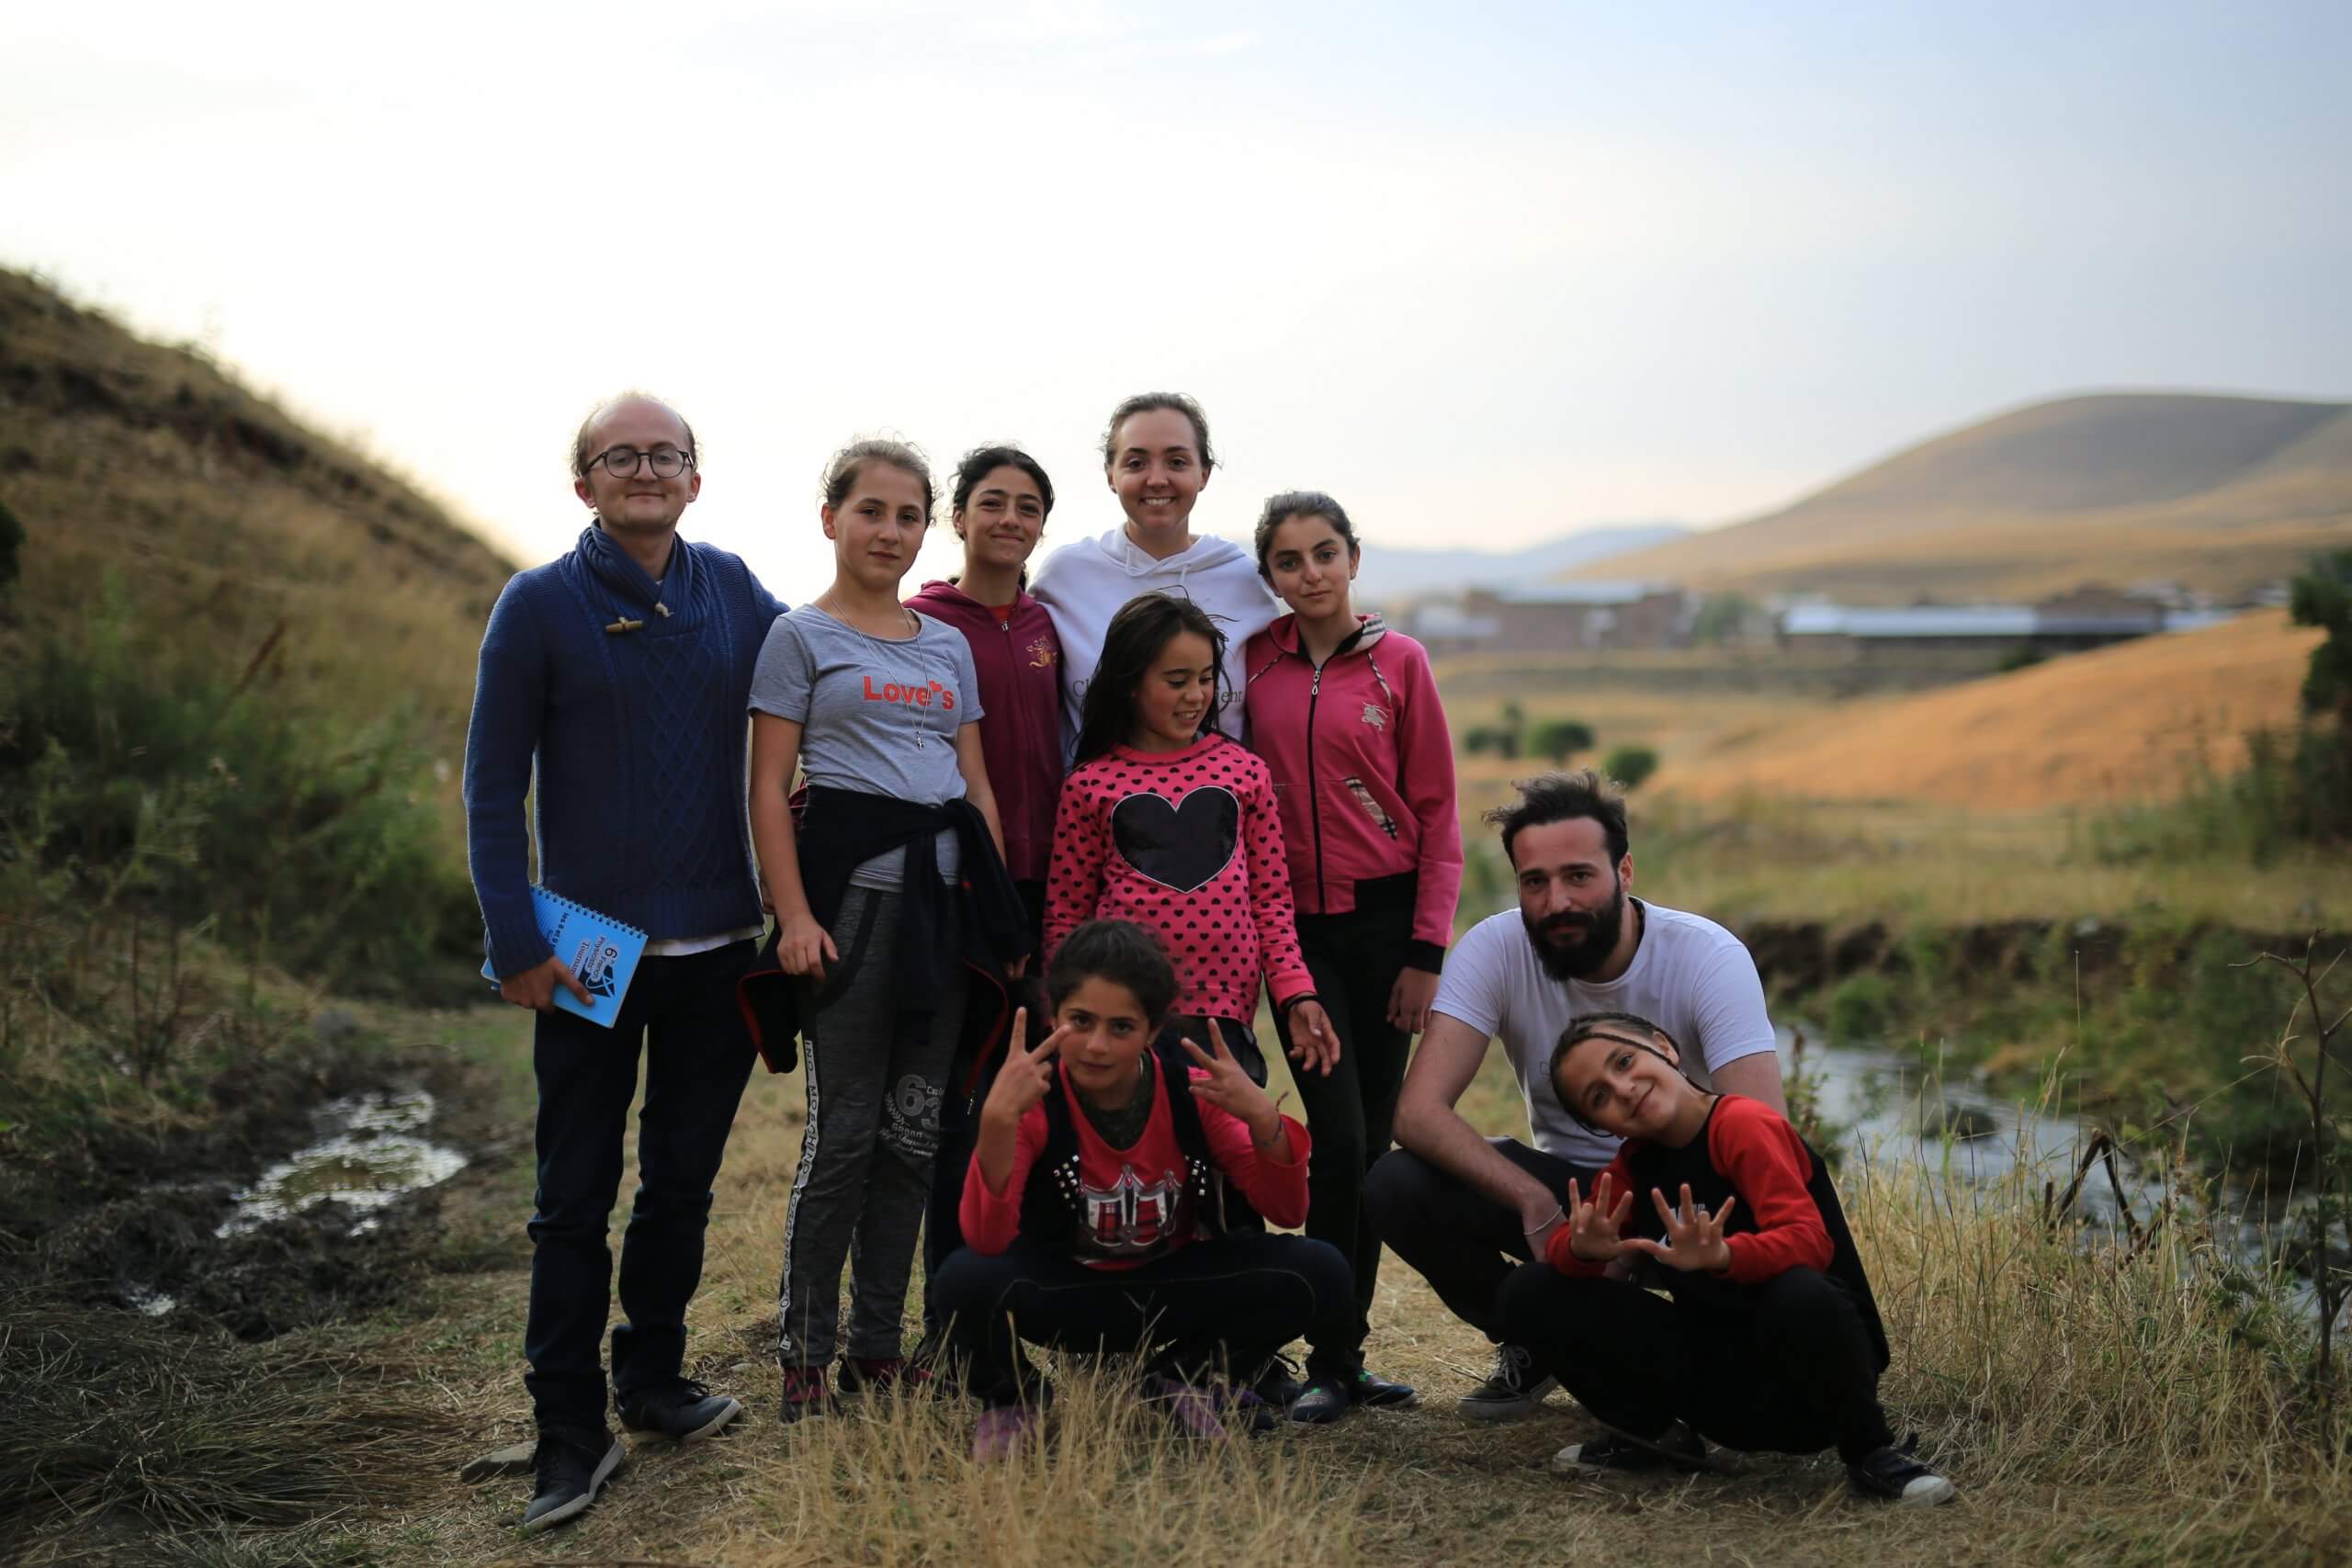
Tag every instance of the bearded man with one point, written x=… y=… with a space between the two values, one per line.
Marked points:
x=1464 y=1209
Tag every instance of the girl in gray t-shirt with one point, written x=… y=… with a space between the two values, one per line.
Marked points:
x=863 y=695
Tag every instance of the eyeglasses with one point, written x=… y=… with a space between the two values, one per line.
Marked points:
x=621 y=462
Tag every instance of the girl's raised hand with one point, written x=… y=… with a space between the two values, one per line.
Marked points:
x=1026 y=1078
x=1694 y=1239
x=1313 y=1042
x=1592 y=1227
x=1229 y=1088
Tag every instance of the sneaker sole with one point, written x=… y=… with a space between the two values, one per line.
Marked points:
x=1517 y=1409
x=1928 y=1497
x=1391 y=1401
x=580 y=1505
x=734 y=1408
x=515 y=1459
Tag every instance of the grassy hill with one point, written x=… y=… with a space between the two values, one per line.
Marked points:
x=2223 y=493
x=2124 y=723
x=225 y=523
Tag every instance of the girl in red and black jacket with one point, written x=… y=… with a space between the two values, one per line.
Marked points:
x=998 y=506
x=1768 y=1338
x=1097 y=1209
x=1345 y=712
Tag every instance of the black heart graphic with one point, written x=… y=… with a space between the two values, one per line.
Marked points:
x=1183 y=847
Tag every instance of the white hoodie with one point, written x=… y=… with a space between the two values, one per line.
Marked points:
x=1084 y=585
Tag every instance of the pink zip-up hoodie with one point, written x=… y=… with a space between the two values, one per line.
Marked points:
x=1363 y=768
x=1189 y=845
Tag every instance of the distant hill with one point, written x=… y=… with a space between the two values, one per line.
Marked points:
x=2221 y=493
x=145 y=475
x=2122 y=723
x=1391 y=574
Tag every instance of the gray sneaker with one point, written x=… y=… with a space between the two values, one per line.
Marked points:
x=1512 y=1391
x=572 y=1469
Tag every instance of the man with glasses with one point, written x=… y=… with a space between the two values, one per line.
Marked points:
x=614 y=681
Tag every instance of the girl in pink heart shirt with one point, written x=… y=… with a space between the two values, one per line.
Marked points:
x=1169 y=824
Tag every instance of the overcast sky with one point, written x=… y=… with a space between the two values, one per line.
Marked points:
x=1487 y=273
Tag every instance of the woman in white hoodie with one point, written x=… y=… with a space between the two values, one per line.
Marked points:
x=1157 y=458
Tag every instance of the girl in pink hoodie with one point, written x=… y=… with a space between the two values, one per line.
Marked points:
x=1345 y=712
x=1167 y=823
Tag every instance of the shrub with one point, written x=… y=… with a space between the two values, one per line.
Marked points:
x=1862 y=1007
x=1631 y=766
x=174 y=784
x=1559 y=739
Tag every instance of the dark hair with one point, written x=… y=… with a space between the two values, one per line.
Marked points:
x=1563 y=797
x=1144 y=626
x=580 y=437
x=1594 y=1026
x=1281 y=509
x=982 y=461
x=841 y=474
x=1153 y=402
x=1121 y=952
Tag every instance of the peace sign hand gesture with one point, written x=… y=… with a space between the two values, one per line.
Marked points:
x=1231 y=1090
x=1694 y=1239
x=1592 y=1227
x=1026 y=1078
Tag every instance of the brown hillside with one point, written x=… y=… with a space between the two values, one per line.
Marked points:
x=2221 y=493
x=222 y=516
x=2127 y=722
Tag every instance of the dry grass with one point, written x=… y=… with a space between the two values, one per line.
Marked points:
x=2092 y=1408
x=2128 y=722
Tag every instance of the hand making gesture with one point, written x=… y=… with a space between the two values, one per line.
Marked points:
x=1694 y=1239
x=1229 y=1088
x=1026 y=1078
x=1593 y=1226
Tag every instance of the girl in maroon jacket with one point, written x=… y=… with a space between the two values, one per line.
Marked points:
x=1768 y=1337
x=1345 y=712
x=998 y=506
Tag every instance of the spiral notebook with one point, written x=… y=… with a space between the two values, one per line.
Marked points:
x=599 y=949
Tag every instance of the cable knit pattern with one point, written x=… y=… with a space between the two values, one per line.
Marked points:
x=1189 y=845
x=636 y=739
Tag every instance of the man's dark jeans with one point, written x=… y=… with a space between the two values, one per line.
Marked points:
x=1463 y=1242
x=697 y=1057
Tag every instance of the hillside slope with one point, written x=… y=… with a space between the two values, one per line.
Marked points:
x=216 y=514
x=2123 y=723
x=2223 y=493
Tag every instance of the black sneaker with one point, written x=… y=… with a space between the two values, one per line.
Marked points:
x=1381 y=1394
x=1324 y=1401
x=1512 y=1391
x=1679 y=1446
x=683 y=1409
x=572 y=1469
x=808 y=1390
x=1894 y=1473
x=1275 y=1387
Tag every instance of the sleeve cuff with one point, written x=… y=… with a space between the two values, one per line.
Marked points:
x=1428 y=956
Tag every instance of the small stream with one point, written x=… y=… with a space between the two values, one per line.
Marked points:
x=1881 y=1103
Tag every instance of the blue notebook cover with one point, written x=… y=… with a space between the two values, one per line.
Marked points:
x=600 y=949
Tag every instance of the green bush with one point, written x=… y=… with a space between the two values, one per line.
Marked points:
x=2021 y=656
x=1559 y=739
x=174 y=784
x=1862 y=1006
x=1631 y=766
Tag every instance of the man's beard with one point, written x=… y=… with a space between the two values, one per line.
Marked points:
x=1601 y=928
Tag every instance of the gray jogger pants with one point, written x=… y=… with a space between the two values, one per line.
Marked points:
x=865 y=1171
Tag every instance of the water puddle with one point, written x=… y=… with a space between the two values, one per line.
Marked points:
x=369 y=1153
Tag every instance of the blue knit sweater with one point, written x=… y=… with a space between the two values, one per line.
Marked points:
x=637 y=737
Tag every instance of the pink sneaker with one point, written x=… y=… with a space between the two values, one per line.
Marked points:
x=1003 y=1431
x=806 y=1393
x=1192 y=1411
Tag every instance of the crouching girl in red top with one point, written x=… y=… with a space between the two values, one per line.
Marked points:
x=1768 y=1338
x=1094 y=1208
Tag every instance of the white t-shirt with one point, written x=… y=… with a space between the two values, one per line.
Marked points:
x=1690 y=977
